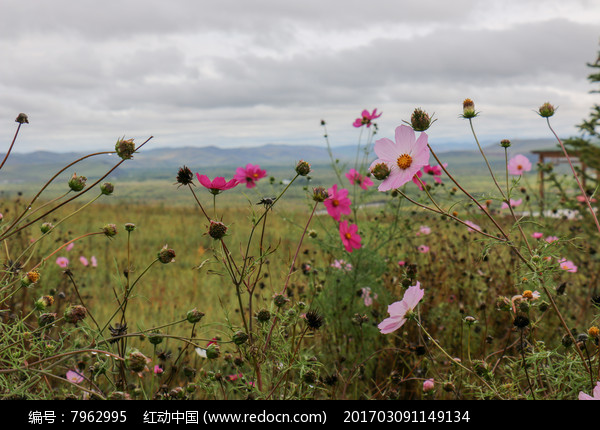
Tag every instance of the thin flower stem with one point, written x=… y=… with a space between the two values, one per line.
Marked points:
x=11 y=145
x=583 y=193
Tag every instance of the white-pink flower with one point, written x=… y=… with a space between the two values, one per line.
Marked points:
x=367 y=297
x=595 y=393
x=428 y=385
x=62 y=262
x=518 y=165
x=472 y=226
x=537 y=235
x=513 y=204
x=404 y=158
x=567 y=265
x=398 y=311
x=551 y=239
x=94 y=261
x=84 y=261
x=424 y=249
x=70 y=246
x=74 y=376
x=423 y=230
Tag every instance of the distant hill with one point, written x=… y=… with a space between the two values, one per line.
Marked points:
x=162 y=162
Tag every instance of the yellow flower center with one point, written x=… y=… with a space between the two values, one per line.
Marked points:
x=335 y=202
x=528 y=294
x=519 y=167
x=404 y=161
x=348 y=236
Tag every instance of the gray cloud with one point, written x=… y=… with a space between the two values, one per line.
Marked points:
x=237 y=72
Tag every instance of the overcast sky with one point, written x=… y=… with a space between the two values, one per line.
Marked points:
x=245 y=73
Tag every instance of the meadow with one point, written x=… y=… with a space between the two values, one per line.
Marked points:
x=364 y=280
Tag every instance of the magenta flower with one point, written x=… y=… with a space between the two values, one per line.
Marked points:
x=399 y=311
x=84 y=261
x=216 y=185
x=595 y=396
x=349 y=235
x=401 y=263
x=537 y=235
x=356 y=178
x=249 y=175
x=404 y=158
x=337 y=203
x=417 y=180
x=551 y=239
x=366 y=118
x=424 y=249
x=158 y=369
x=567 y=265
x=74 y=377
x=518 y=165
x=62 y=262
x=435 y=171
x=513 y=204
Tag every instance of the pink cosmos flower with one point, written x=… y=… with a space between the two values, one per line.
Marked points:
x=518 y=165
x=94 y=261
x=249 y=175
x=349 y=235
x=234 y=377
x=472 y=226
x=158 y=370
x=398 y=311
x=84 y=261
x=62 y=262
x=366 y=118
x=595 y=396
x=337 y=203
x=537 y=235
x=69 y=246
x=513 y=203
x=567 y=265
x=423 y=249
x=401 y=263
x=423 y=230
x=216 y=185
x=435 y=171
x=428 y=385
x=404 y=158
x=418 y=181
x=342 y=265
x=366 y=296
x=74 y=377
x=356 y=178
x=581 y=199
x=551 y=239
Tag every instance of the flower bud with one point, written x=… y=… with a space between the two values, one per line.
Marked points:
x=280 y=300
x=110 y=230
x=505 y=143
x=240 y=338
x=107 y=188
x=74 y=314
x=380 y=171
x=125 y=148
x=129 y=227
x=136 y=361
x=546 y=110
x=469 y=109
x=22 y=119
x=320 y=194
x=213 y=351
x=166 y=255
x=77 y=183
x=217 y=230
x=302 y=168
x=185 y=176
x=46 y=319
x=46 y=227
x=194 y=316
x=30 y=278
x=420 y=120
x=155 y=338
x=43 y=302
x=263 y=315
